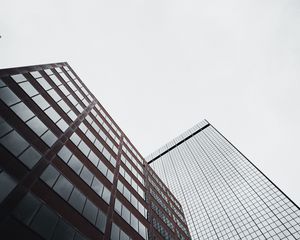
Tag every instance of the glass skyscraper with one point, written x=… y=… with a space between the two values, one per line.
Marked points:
x=223 y=195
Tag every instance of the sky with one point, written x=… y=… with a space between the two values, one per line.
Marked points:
x=161 y=66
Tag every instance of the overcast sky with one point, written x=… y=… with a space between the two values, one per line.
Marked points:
x=161 y=66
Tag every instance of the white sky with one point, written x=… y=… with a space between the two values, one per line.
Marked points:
x=161 y=66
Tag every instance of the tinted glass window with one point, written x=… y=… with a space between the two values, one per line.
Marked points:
x=8 y=96
x=37 y=126
x=77 y=200
x=86 y=175
x=90 y=211
x=49 y=138
x=30 y=157
x=7 y=184
x=22 y=111
x=14 y=143
x=44 y=222
x=50 y=175
x=63 y=231
x=75 y=164
x=63 y=187
x=28 y=88
x=26 y=208
x=101 y=221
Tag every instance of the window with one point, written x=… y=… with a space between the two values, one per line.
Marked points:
x=8 y=96
x=90 y=211
x=30 y=157
x=44 y=222
x=50 y=175
x=14 y=143
x=28 y=88
x=63 y=187
x=22 y=111
x=37 y=126
x=77 y=200
x=7 y=184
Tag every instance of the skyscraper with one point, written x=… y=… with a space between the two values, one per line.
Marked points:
x=223 y=195
x=67 y=171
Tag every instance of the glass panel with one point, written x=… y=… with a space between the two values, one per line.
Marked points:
x=30 y=157
x=8 y=96
x=64 y=154
x=52 y=114
x=63 y=187
x=41 y=102
x=86 y=175
x=49 y=138
x=97 y=186
x=50 y=175
x=19 y=78
x=22 y=111
x=28 y=88
x=26 y=209
x=75 y=164
x=54 y=95
x=44 y=222
x=7 y=184
x=77 y=200
x=118 y=206
x=115 y=232
x=37 y=126
x=63 y=231
x=62 y=125
x=101 y=221
x=125 y=214
x=90 y=211
x=106 y=195
x=4 y=127
x=44 y=84
x=14 y=143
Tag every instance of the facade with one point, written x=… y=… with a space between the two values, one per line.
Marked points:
x=223 y=195
x=67 y=171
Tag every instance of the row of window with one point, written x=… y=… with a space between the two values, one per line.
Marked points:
x=44 y=221
x=101 y=134
x=110 y=122
x=97 y=162
x=160 y=202
x=40 y=100
x=163 y=232
x=130 y=219
x=28 y=116
x=131 y=198
x=132 y=182
x=85 y=174
x=83 y=88
x=162 y=216
x=117 y=233
x=104 y=125
x=132 y=170
x=71 y=85
x=17 y=145
x=136 y=155
x=64 y=188
x=161 y=184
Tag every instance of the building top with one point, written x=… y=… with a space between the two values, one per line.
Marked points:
x=178 y=140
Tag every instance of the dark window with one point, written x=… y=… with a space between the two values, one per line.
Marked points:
x=14 y=143
x=27 y=208
x=7 y=184
x=101 y=221
x=44 y=222
x=50 y=175
x=86 y=175
x=75 y=164
x=77 y=200
x=30 y=157
x=63 y=187
x=64 y=154
x=63 y=231
x=90 y=211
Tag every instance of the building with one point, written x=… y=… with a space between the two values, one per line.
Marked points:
x=223 y=195
x=67 y=171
